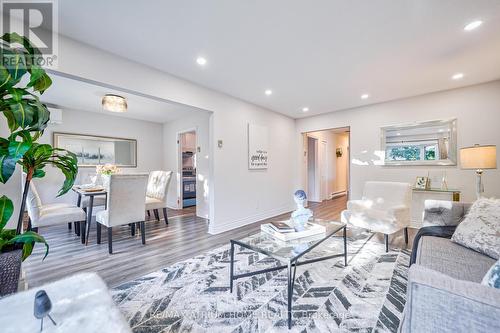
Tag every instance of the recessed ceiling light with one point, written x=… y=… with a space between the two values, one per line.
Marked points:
x=201 y=61
x=398 y=133
x=458 y=76
x=365 y=96
x=473 y=25
x=305 y=109
x=268 y=92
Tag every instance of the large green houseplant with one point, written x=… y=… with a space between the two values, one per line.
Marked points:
x=21 y=81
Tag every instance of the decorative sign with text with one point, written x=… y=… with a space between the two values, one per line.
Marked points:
x=257 y=147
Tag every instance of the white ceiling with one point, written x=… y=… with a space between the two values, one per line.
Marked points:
x=77 y=95
x=322 y=54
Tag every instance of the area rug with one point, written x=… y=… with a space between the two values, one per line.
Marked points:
x=193 y=296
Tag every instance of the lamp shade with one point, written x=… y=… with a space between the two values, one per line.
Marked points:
x=478 y=157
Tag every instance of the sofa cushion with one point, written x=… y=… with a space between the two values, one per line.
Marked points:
x=459 y=262
x=480 y=230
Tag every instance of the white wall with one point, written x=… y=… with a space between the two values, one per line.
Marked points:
x=341 y=163
x=477 y=109
x=201 y=123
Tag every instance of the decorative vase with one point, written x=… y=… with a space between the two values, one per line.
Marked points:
x=10 y=269
x=105 y=180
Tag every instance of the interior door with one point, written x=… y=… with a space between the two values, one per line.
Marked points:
x=323 y=170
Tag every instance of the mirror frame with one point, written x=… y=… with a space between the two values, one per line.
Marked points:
x=452 y=157
x=57 y=135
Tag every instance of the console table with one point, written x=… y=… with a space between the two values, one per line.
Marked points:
x=419 y=197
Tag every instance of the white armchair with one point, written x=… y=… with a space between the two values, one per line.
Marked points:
x=41 y=215
x=156 y=193
x=125 y=205
x=384 y=208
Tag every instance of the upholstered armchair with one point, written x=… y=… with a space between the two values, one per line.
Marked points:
x=125 y=205
x=384 y=208
x=41 y=215
x=156 y=193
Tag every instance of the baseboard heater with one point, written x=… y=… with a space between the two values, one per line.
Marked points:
x=338 y=194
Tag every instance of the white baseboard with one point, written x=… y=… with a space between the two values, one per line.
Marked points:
x=217 y=228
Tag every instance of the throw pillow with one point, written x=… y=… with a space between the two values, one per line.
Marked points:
x=492 y=278
x=480 y=230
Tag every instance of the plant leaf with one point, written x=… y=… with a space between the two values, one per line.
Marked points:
x=10 y=153
x=6 y=210
x=30 y=237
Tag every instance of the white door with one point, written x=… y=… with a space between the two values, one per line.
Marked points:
x=323 y=171
x=311 y=169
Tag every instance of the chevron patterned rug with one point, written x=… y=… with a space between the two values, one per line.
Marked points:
x=193 y=296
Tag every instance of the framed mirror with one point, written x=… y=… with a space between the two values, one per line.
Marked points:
x=420 y=143
x=92 y=150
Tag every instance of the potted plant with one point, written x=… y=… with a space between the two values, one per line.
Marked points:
x=26 y=118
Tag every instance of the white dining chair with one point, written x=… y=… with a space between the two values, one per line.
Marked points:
x=125 y=205
x=41 y=215
x=156 y=194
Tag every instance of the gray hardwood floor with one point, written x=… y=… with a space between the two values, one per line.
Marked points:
x=184 y=237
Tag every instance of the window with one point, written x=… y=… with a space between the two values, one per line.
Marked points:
x=415 y=151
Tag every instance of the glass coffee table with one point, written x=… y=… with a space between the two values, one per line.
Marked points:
x=288 y=253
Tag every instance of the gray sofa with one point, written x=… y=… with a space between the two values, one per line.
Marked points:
x=444 y=291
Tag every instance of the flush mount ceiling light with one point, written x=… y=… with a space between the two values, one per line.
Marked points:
x=268 y=92
x=458 y=76
x=305 y=109
x=473 y=25
x=201 y=61
x=365 y=96
x=114 y=103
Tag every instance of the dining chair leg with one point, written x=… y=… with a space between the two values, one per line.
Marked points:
x=110 y=240
x=29 y=224
x=77 y=228
x=82 y=231
x=98 y=227
x=386 y=241
x=149 y=214
x=143 y=232
x=69 y=225
x=132 y=229
x=157 y=215
x=406 y=235
x=89 y=218
x=165 y=215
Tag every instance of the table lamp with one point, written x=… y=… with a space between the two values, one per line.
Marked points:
x=479 y=158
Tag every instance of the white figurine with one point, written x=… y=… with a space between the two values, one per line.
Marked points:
x=301 y=215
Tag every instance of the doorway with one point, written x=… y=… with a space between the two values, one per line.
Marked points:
x=187 y=158
x=326 y=163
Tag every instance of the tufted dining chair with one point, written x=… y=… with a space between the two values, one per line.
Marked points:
x=41 y=215
x=125 y=205
x=156 y=194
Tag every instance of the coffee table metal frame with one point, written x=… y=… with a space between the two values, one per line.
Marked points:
x=291 y=263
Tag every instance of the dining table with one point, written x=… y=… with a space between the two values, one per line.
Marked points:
x=90 y=193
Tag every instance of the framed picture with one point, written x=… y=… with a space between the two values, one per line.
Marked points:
x=257 y=147
x=422 y=183
x=92 y=150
